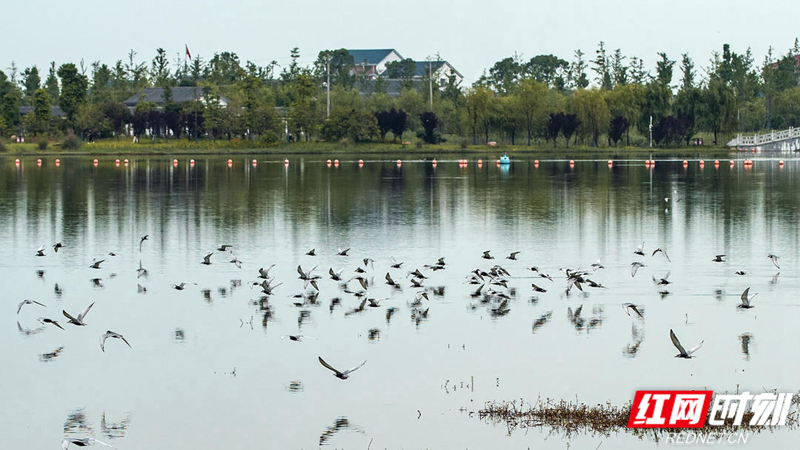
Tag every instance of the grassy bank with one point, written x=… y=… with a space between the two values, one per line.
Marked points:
x=225 y=147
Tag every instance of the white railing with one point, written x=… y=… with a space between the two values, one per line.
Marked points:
x=761 y=139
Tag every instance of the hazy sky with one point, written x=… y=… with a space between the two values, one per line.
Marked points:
x=471 y=35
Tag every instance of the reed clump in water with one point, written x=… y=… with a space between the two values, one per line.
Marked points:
x=568 y=418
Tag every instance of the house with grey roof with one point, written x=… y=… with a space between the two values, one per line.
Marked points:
x=373 y=61
x=441 y=70
x=180 y=94
x=55 y=111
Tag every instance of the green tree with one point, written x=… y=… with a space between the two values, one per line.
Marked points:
x=31 y=82
x=592 y=112
x=41 y=111
x=403 y=70
x=10 y=100
x=52 y=83
x=577 y=72
x=341 y=66
x=787 y=108
x=137 y=73
x=529 y=101
x=602 y=67
x=664 y=69
x=687 y=69
x=626 y=101
x=618 y=68
x=117 y=115
x=90 y=121
x=73 y=89
x=547 y=69
x=224 y=69
x=429 y=123
x=637 y=71
x=476 y=110
x=687 y=106
x=101 y=84
x=160 y=68
x=718 y=107
x=359 y=126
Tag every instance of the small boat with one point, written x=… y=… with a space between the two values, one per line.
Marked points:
x=505 y=159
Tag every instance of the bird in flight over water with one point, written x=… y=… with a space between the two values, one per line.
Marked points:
x=341 y=375
x=111 y=334
x=79 y=320
x=683 y=353
x=27 y=302
x=746 y=298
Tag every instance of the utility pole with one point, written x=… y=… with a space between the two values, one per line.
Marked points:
x=430 y=81
x=651 y=131
x=328 y=61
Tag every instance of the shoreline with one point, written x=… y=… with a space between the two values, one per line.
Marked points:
x=338 y=150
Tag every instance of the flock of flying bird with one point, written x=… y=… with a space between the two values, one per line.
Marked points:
x=496 y=296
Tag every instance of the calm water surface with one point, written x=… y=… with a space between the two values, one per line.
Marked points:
x=208 y=367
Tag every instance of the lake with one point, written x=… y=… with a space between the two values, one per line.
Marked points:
x=207 y=366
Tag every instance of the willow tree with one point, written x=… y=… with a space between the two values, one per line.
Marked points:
x=530 y=98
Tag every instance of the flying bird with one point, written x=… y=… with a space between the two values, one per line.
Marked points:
x=335 y=275
x=57 y=246
x=311 y=252
x=307 y=275
x=628 y=307
x=40 y=251
x=45 y=320
x=395 y=264
x=111 y=334
x=640 y=250
x=391 y=281
x=719 y=258
x=486 y=255
x=341 y=375
x=746 y=298
x=207 y=258
x=96 y=263
x=297 y=337
x=513 y=256
x=663 y=252
x=79 y=320
x=264 y=273
x=635 y=267
x=224 y=247
x=683 y=353
x=537 y=288
x=774 y=259
x=369 y=262
x=141 y=241
x=235 y=261
x=84 y=442
x=27 y=302
x=342 y=252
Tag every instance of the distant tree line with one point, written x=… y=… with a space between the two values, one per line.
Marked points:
x=604 y=101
